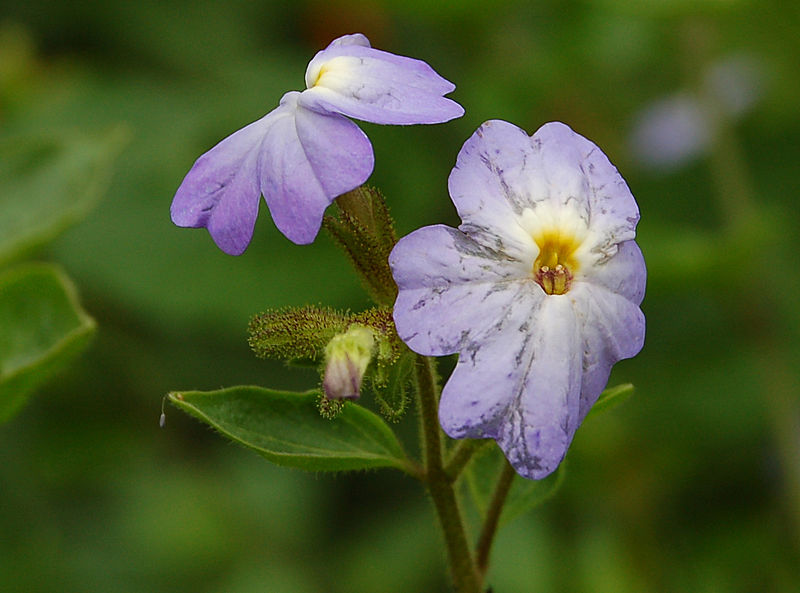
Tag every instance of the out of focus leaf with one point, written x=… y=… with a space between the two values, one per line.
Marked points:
x=612 y=396
x=287 y=429
x=483 y=473
x=48 y=183
x=672 y=7
x=42 y=327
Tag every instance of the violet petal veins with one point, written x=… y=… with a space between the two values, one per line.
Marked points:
x=538 y=290
x=305 y=153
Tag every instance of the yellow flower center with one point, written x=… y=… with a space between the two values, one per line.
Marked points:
x=556 y=265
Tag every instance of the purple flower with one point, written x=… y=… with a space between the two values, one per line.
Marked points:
x=538 y=291
x=305 y=153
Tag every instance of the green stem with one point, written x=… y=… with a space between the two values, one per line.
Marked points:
x=462 y=567
x=492 y=520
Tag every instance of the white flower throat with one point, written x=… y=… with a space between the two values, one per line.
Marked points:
x=334 y=73
x=559 y=233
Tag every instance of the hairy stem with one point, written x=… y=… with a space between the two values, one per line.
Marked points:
x=462 y=566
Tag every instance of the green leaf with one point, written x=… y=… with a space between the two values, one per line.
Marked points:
x=611 y=397
x=287 y=429
x=529 y=494
x=48 y=183
x=42 y=328
x=482 y=475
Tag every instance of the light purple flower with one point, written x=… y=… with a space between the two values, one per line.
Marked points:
x=671 y=132
x=305 y=153
x=538 y=291
x=677 y=129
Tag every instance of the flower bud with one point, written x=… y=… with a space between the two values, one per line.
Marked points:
x=347 y=357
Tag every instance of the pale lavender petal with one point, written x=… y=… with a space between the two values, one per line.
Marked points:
x=501 y=172
x=307 y=160
x=625 y=273
x=612 y=328
x=352 y=39
x=376 y=86
x=571 y=164
x=489 y=187
x=491 y=370
x=671 y=132
x=221 y=191
x=521 y=388
x=543 y=421
x=445 y=276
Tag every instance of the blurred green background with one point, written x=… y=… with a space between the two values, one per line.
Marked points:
x=691 y=485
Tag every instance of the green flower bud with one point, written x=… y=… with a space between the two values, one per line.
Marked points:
x=347 y=357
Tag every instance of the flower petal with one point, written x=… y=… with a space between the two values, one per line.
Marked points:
x=625 y=273
x=612 y=327
x=220 y=192
x=573 y=164
x=543 y=421
x=359 y=81
x=489 y=187
x=307 y=160
x=352 y=39
x=522 y=387
x=445 y=276
x=477 y=397
x=501 y=173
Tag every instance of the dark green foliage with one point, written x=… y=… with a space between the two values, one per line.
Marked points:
x=482 y=474
x=42 y=329
x=49 y=182
x=285 y=428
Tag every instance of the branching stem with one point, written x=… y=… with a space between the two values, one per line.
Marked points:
x=462 y=566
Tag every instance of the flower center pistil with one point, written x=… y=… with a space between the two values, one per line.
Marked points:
x=555 y=266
